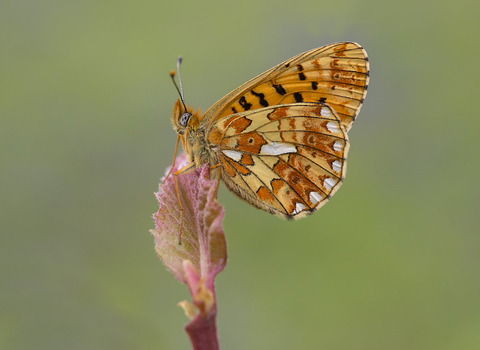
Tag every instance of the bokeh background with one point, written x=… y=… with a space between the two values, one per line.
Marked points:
x=391 y=262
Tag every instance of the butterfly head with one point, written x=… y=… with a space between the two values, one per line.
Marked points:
x=181 y=118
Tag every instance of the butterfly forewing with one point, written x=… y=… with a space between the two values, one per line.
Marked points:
x=286 y=159
x=336 y=75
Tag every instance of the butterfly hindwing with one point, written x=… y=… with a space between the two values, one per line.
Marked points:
x=335 y=74
x=287 y=159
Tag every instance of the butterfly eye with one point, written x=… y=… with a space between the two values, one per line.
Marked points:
x=184 y=119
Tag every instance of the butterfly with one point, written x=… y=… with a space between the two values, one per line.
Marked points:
x=280 y=140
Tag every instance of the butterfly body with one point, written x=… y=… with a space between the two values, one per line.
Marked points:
x=280 y=140
x=195 y=144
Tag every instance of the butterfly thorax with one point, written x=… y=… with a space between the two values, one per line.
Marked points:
x=195 y=144
x=197 y=147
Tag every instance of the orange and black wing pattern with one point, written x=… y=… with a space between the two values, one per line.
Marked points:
x=336 y=75
x=281 y=138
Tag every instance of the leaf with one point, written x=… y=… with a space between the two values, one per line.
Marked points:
x=203 y=241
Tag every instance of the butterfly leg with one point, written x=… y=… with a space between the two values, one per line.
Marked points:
x=175 y=174
x=174 y=158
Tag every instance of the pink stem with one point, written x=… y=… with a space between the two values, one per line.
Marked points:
x=203 y=331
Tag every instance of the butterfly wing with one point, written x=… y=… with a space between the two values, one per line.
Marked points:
x=335 y=74
x=287 y=160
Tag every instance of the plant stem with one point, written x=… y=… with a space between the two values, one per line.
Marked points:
x=203 y=331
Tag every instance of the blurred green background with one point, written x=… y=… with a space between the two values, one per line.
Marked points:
x=392 y=262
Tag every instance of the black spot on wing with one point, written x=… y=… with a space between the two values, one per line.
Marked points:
x=243 y=102
x=279 y=89
x=298 y=97
x=314 y=85
x=261 y=98
x=323 y=100
x=234 y=110
x=302 y=76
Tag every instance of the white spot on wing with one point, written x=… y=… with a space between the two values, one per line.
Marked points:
x=233 y=154
x=328 y=183
x=276 y=148
x=298 y=208
x=332 y=127
x=336 y=165
x=337 y=146
x=325 y=112
x=314 y=197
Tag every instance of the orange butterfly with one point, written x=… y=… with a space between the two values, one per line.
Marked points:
x=280 y=140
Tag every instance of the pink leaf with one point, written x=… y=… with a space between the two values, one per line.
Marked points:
x=203 y=241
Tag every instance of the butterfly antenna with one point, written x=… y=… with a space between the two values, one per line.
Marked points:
x=179 y=62
x=172 y=75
